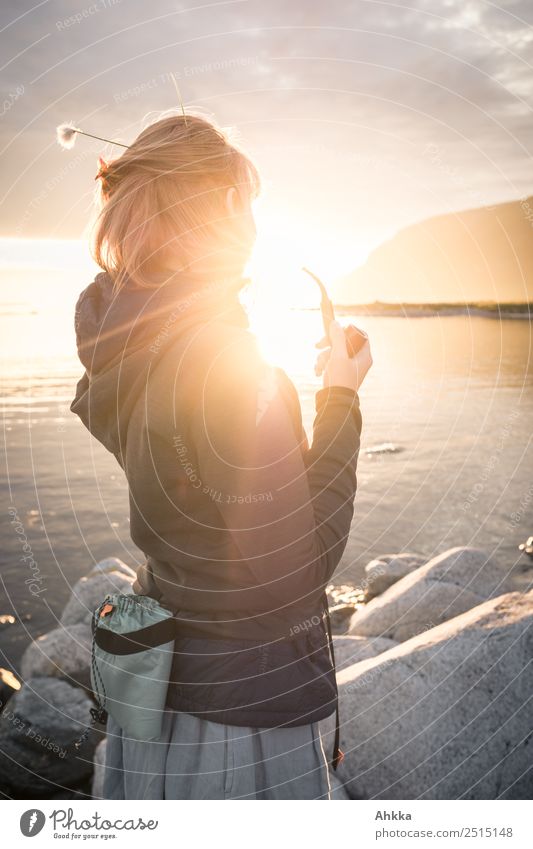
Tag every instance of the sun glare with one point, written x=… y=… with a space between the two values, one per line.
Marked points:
x=280 y=288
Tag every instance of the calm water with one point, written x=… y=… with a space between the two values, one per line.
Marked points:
x=454 y=394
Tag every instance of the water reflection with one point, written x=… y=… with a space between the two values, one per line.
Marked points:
x=454 y=393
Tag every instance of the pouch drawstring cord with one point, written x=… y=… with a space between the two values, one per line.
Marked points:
x=98 y=713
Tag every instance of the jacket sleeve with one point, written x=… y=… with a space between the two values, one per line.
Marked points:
x=287 y=507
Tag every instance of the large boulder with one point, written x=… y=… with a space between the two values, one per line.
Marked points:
x=445 y=587
x=89 y=591
x=350 y=650
x=111 y=564
x=38 y=729
x=338 y=790
x=382 y=573
x=64 y=652
x=444 y=715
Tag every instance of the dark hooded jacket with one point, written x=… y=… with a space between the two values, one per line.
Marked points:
x=241 y=522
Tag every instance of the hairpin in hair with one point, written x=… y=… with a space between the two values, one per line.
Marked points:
x=174 y=80
x=102 y=168
x=66 y=136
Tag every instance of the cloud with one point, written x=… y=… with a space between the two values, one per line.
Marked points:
x=318 y=91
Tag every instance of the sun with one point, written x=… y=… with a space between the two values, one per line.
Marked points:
x=281 y=296
x=280 y=300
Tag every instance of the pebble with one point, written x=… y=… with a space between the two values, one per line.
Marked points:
x=7 y=619
x=527 y=546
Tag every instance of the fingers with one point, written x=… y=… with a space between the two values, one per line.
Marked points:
x=321 y=362
x=338 y=340
x=326 y=342
x=340 y=345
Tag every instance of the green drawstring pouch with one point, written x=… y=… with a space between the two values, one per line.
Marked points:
x=132 y=648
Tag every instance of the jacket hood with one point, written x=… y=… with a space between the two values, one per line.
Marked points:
x=118 y=334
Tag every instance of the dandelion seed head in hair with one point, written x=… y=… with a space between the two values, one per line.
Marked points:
x=66 y=136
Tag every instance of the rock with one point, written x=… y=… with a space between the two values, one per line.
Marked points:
x=382 y=448
x=99 y=770
x=343 y=601
x=88 y=592
x=445 y=587
x=64 y=652
x=38 y=729
x=111 y=564
x=344 y=594
x=81 y=792
x=7 y=619
x=446 y=714
x=386 y=570
x=340 y=617
x=338 y=790
x=527 y=546
x=350 y=650
x=9 y=685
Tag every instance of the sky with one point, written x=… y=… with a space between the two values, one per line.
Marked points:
x=362 y=116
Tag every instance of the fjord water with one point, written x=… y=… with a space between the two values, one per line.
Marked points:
x=454 y=395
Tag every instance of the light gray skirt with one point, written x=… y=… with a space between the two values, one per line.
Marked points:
x=198 y=759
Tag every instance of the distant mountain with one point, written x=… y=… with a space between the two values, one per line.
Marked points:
x=487 y=309
x=481 y=254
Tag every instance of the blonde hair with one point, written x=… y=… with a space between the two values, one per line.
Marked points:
x=163 y=201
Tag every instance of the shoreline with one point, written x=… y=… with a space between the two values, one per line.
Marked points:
x=513 y=311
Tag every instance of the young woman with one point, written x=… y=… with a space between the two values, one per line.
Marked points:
x=241 y=521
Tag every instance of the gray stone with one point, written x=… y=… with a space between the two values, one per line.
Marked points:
x=340 y=617
x=447 y=714
x=445 y=587
x=382 y=573
x=99 y=770
x=64 y=652
x=89 y=591
x=343 y=601
x=111 y=564
x=338 y=790
x=38 y=728
x=350 y=650
x=344 y=594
